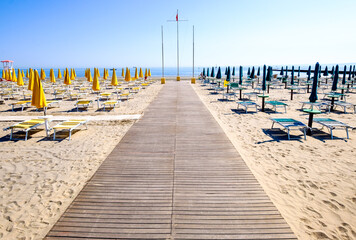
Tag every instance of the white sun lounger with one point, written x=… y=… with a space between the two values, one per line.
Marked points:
x=69 y=126
x=26 y=126
x=247 y=104
x=21 y=104
x=345 y=105
x=332 y=124
x=290 y=124
x=110 y=104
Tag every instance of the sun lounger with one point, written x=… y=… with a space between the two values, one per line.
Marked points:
x=319 y=105
x=248 y=95
x=26 y=126
x=247 y=104
x=345 y=105
x=69 y=126
x=276 y=104
x=105 y=95
x=135 y=90
x=21 y=104
x=332 y=124
x=110 y=104
x=124 y=95
x=290 y=124
x=83 y=104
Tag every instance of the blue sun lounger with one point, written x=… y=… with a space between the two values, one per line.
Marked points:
x=290 y=124
x=276 y=104
x=247 y=104
x=332 y=124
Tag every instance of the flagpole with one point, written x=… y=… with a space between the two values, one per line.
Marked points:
x=162 y=53
x=177 y=45
x=193 y=50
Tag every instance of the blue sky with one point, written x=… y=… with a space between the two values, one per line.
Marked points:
x=106 y=33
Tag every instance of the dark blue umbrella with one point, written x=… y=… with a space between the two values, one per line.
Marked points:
x=207 y=72
x=353 y=72
x=270 y=73
x=282 y=72
x=286 y=71
x=212 y=72
x=252 y=72
x=314 y=94
x=218 y=75
x=309 y=72
x=248 y=72
x=204 y=72
x=292 y=77
x=233 y=71
x=299 y=71
x=228 y=74
x=258 y=71
x=344 y=76
x=335 y=79
x=319 y=71
x=264 y=78
x=225 y=70
x=350 y=74
x=326 y=72
x=241 y=74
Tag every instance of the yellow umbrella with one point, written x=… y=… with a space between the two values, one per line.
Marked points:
x=104 y=76
x=107 y=73
x=51 y=76
x=59 y=76
x=98 y=72
x=127 y=75
x=90 y=79
x=67 y=78
x=23 y=73
x=43 y=74
x=122 y=72
x=30 y=80
x=75 y=74
x=141 y=74
x=72 y=77
x=20 y=78
x=27 y=74
x=146 y=74
x=114 y=78
x=136 y=74
x=14 y=78
x=38 y=96
x=9 y=76
x=86 y=73
x=149 y=72
x=96 y=84
x=3 y=74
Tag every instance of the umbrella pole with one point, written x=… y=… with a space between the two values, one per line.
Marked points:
x=310 y=124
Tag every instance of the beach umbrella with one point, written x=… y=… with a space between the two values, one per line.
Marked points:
x=146 y=73
x=298 y=71
x=51 y=76
x=127 y=75
x=72 y=77
x=136 y=74
x=59 y=76
x=228 y=74
x=258 y=71
x=264 y=78
x=248 y=72
x=38 y=96
x=141 y=73
x=233 y=71
x=14 y=78
x=326 y=73
x=27 y=74
x=292 y=77
x=43 y=74
x=9 y=76
x=350 y=73
x=23 y=73
x=207 y=72
x=282 y=71
x=104 y=74
x=269 y=74
x=75 y=74
x=225 y=70
x=309 y=72
x=114 y=78
x=353 y=71
x=287 y=71
x=20 y=78
x=204 y=72
x=3 y=74
x=212 y=72
x=333 y=71
x=241 y=74
x=320 y=71
x=96 y=84
x=123 y=72
x=30 y=80
x=89 y=77
x=344 y=76
x=149 y=72
x=218 y=75
x=98 y=73
x=252 y=72
x=335 y=79
x=314 y=94
x=67 y=78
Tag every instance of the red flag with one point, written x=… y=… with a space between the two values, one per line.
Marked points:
x=177 y=17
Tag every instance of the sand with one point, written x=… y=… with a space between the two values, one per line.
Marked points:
x=312 y=182
x=40 y=177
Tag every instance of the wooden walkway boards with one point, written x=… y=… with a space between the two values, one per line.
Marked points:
x=174 y=175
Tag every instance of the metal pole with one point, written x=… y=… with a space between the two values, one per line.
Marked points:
x=162 y=53
x=193 y=50
x=177 y=47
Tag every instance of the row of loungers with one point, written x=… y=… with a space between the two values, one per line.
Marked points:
x=290 y=124
x=31 y=124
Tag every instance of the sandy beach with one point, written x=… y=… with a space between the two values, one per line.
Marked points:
x=312 y=182
x=41 y=177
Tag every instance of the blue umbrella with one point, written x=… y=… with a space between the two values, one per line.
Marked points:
x=264 y=78
x=233 y=71
x=309 y=72
x=225 y=70
x=333 y=71
x=252 y=72
x=299 y=71
x=335 y=79
x=326 y=72
x=353 y=71
x=314 y=94
x=286 y=71
x=270 y=75
x=292 y=77
x=204 y=72
x=282 y=72
x=319 y=71
x=258 y=71
x=350 y=74
x=212 y=72
x=207 y=72
x=228 y=77
x=241 y=74
x=248 y=72
x=344 y=76
x=218 y=75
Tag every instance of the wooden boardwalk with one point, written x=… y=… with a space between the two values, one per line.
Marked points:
x=174 y=175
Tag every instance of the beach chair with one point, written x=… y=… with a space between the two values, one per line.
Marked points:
x=250 y=94
x=345 y=105
x=21 y=104
x=247 y=104
x=83 y=104
x=319 y=105
x=290 y=124
x=26 y=126
x=124 y=95
x=69 y=126
x=110 y=104
x=332 y=124
x=105 y=95
x=276 y=104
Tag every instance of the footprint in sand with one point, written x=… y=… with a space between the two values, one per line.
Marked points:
x=333 y=194
x=320 y=235
x=330 y=204
x=312 y=185
x=340 y=204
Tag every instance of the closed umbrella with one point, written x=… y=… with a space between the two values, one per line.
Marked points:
x=204 y=72
x=282 y=71
x=123 y=72
x=344 y=76
x=292 y=77
x=19 y=79
x=127 y=75
x=207 y=72
x=30 y=80
x=23 y=74
x=43 y=74
x=353 y=71
x=59 y=76
x=51 y=75
x=72 y=77
x=314 y=95
x=67 y=80
x=333 y=71
x=27 y=74
x=136 y=74
x=326 y=72
x=3 y=74
x=104 y=75
x=114 y=78
x=298 y=71
x=248 y=72
x=258 y=71
x=252 y=73
x=149 y=72
x=228 y=74
x=320 y=71
x=212 y=72
x=335 y=79
x=264 y=79
x=96 y=84
x=309 y=72
x=14 y=78
x=218 y=75
x=287 y=71
x=350 y=73
x=241 y=75
x=89 y=77
x=233 y=71
x=141 y=73
x=38 y=96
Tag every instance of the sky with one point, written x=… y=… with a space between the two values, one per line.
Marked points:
x=107 y=33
